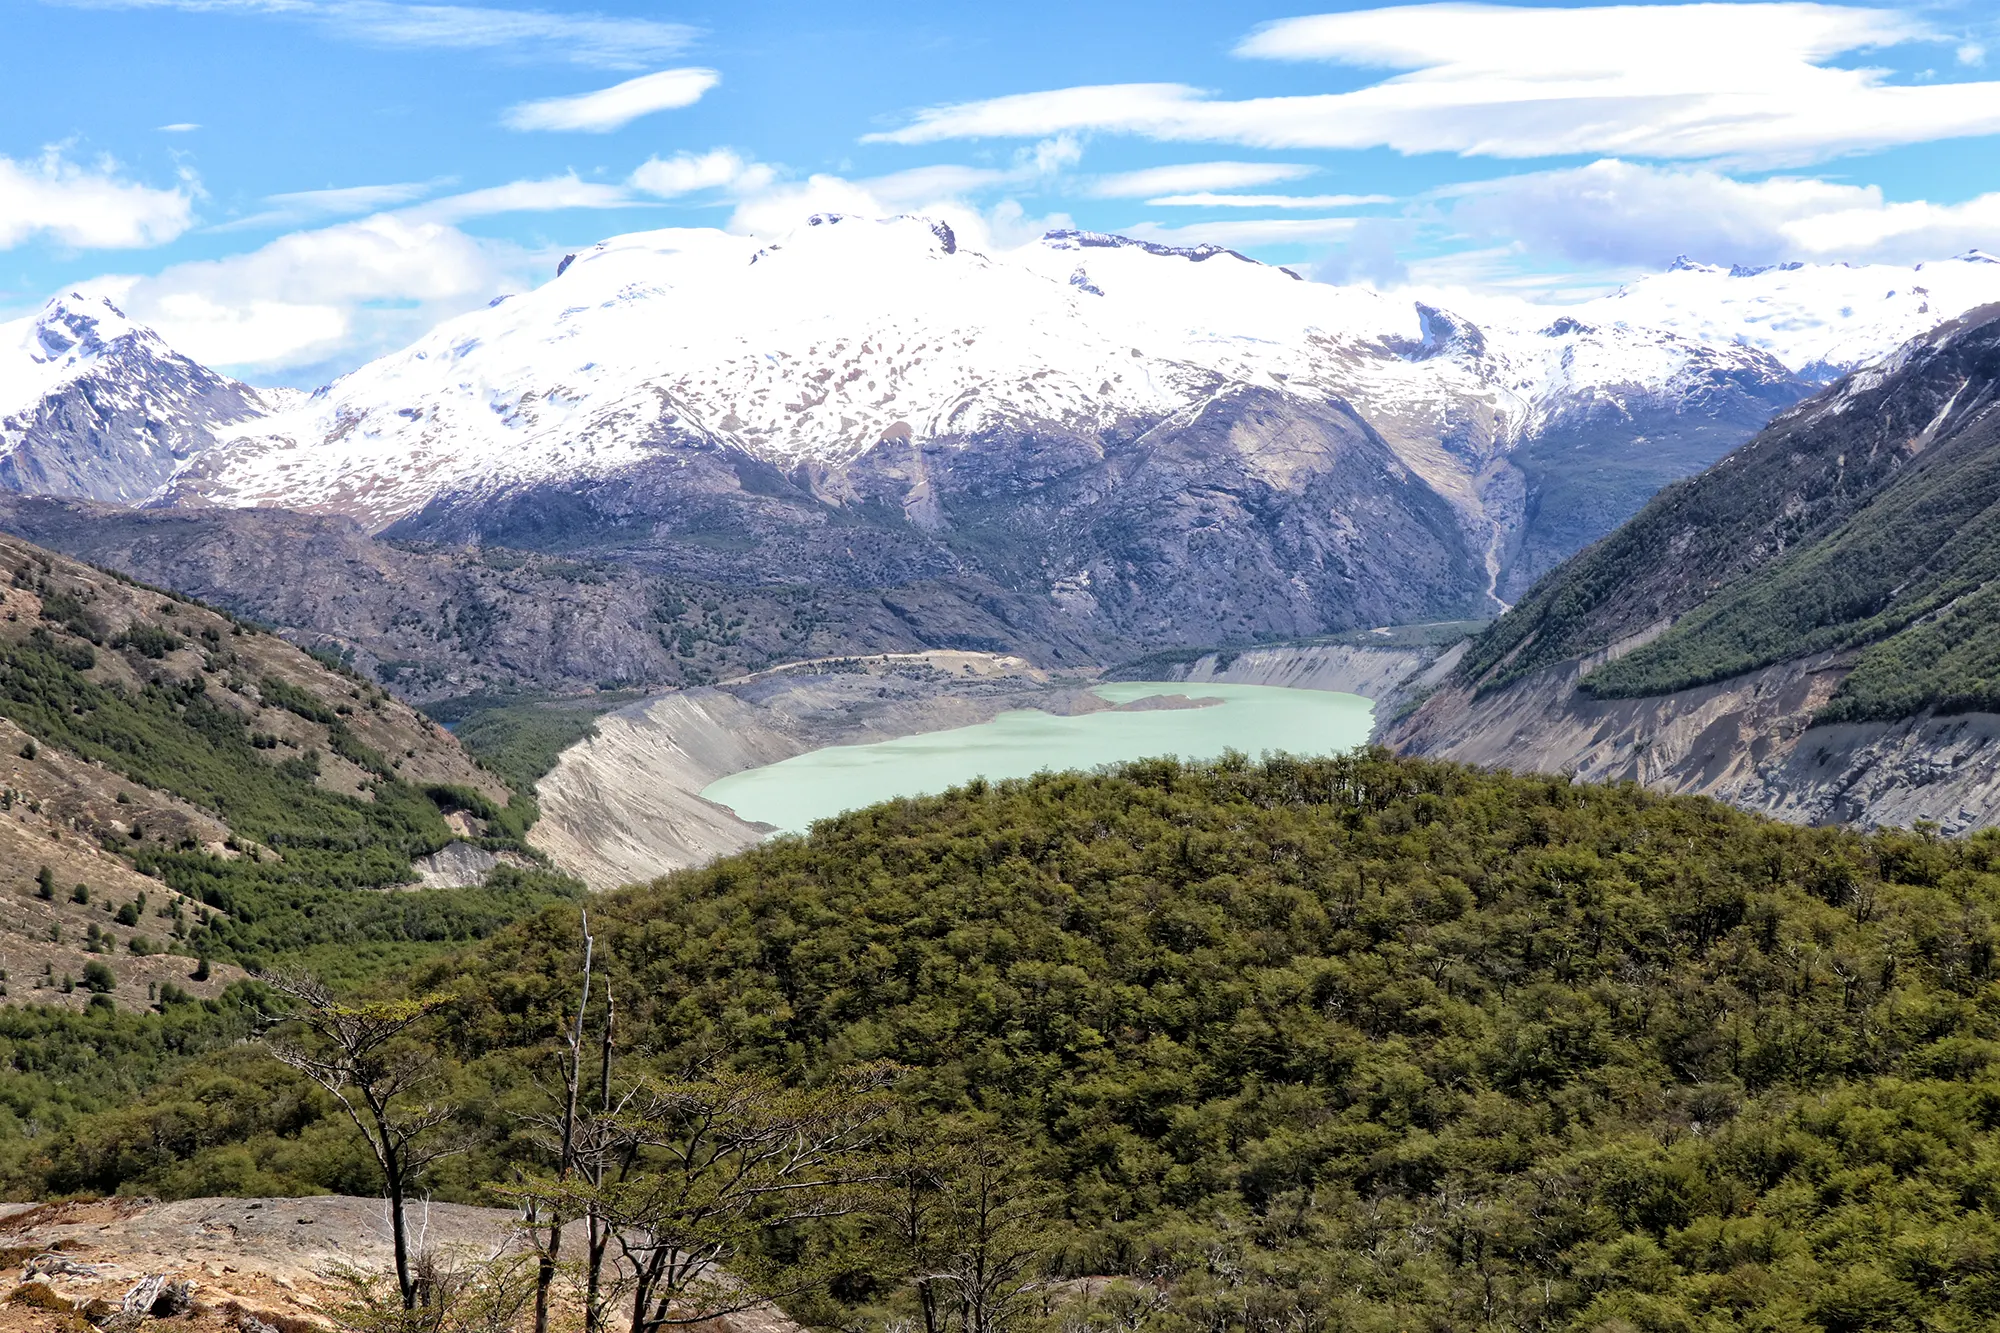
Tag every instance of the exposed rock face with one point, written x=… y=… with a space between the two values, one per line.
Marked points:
x=1748 y=741
x=271 y=1262
x=1596 y=465
x=1258 y=516
x=103 y=409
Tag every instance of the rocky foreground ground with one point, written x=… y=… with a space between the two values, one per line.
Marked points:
x=245 y=1261
x=240 y=1265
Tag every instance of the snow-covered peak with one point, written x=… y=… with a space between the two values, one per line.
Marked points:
x=817 y=346
x=69 y=335
x=1820 y=320
x=809 y=348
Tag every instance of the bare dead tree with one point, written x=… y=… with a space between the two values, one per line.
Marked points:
x=390 y=1084
x=987 y=1237
x=548 y=1230
x=584 y=1136
x=964 y=1225
x=607 y=1152
x=706 y=1166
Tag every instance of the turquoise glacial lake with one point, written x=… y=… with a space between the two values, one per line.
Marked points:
x=1251 y=718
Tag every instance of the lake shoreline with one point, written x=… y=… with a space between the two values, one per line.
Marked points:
x=1135 y=720
x=625 y=804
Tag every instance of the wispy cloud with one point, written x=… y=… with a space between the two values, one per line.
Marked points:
x=1750 y=82
x=554 y=194
x=179 y=127
x=1209 y=199
x=1183 y=177
x=615 y=107
x=605 y=41
x=89 y=208
x=302 y=206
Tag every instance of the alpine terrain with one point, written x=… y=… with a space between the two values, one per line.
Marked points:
x=1081 y=448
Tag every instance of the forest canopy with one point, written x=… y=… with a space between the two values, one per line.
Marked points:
x=1344 y=1043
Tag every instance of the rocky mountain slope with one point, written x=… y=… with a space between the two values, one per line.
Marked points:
x=1086 y=445
x=1811 y=627
x=868 y=403
x=176 y=784
x=437 y=621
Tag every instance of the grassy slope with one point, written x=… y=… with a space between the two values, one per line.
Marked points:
x=1361 y=1043
x=1925 y=549
x=521 y=738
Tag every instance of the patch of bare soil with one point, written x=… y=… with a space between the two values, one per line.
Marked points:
x=240 y=1265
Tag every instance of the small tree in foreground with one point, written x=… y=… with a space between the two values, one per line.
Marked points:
x=579 y=1142
x=712 y=1165
x=371 y=1058
x=964 y=1225
x=463 y=1292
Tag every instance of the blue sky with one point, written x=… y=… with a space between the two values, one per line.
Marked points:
x=286 y=187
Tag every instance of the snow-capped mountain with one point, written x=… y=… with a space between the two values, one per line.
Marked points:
x=1821 y=320
x=1135 y=434
x=96 y=406
x=814 y=349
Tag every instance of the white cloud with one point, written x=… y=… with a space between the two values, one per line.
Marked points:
x=331 y=296
x=1622 y=213
x=1209 y=199
x=353 y=289
x=687 y=173
x=89 y=208
x=1247 y=231
x=617 y=106
x=783 y=206
x=1050 y=155
x=301 y=206
x=541 y=196
x=179 y=127
x=1971 y=53
x=1744 y=81
x=1192 y=176
x=583 y=38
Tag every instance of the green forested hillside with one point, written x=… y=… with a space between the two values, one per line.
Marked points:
x=1911 y=576
x=1860 y=520
x=1305 y=1045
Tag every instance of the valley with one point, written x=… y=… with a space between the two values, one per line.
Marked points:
x=689 y=455
x=1079 y=506
x=1099 y=668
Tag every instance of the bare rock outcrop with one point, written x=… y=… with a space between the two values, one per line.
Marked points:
x=1749 y=741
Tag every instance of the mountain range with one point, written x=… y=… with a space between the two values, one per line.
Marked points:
x=1811 y=627
x=1083 y=446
